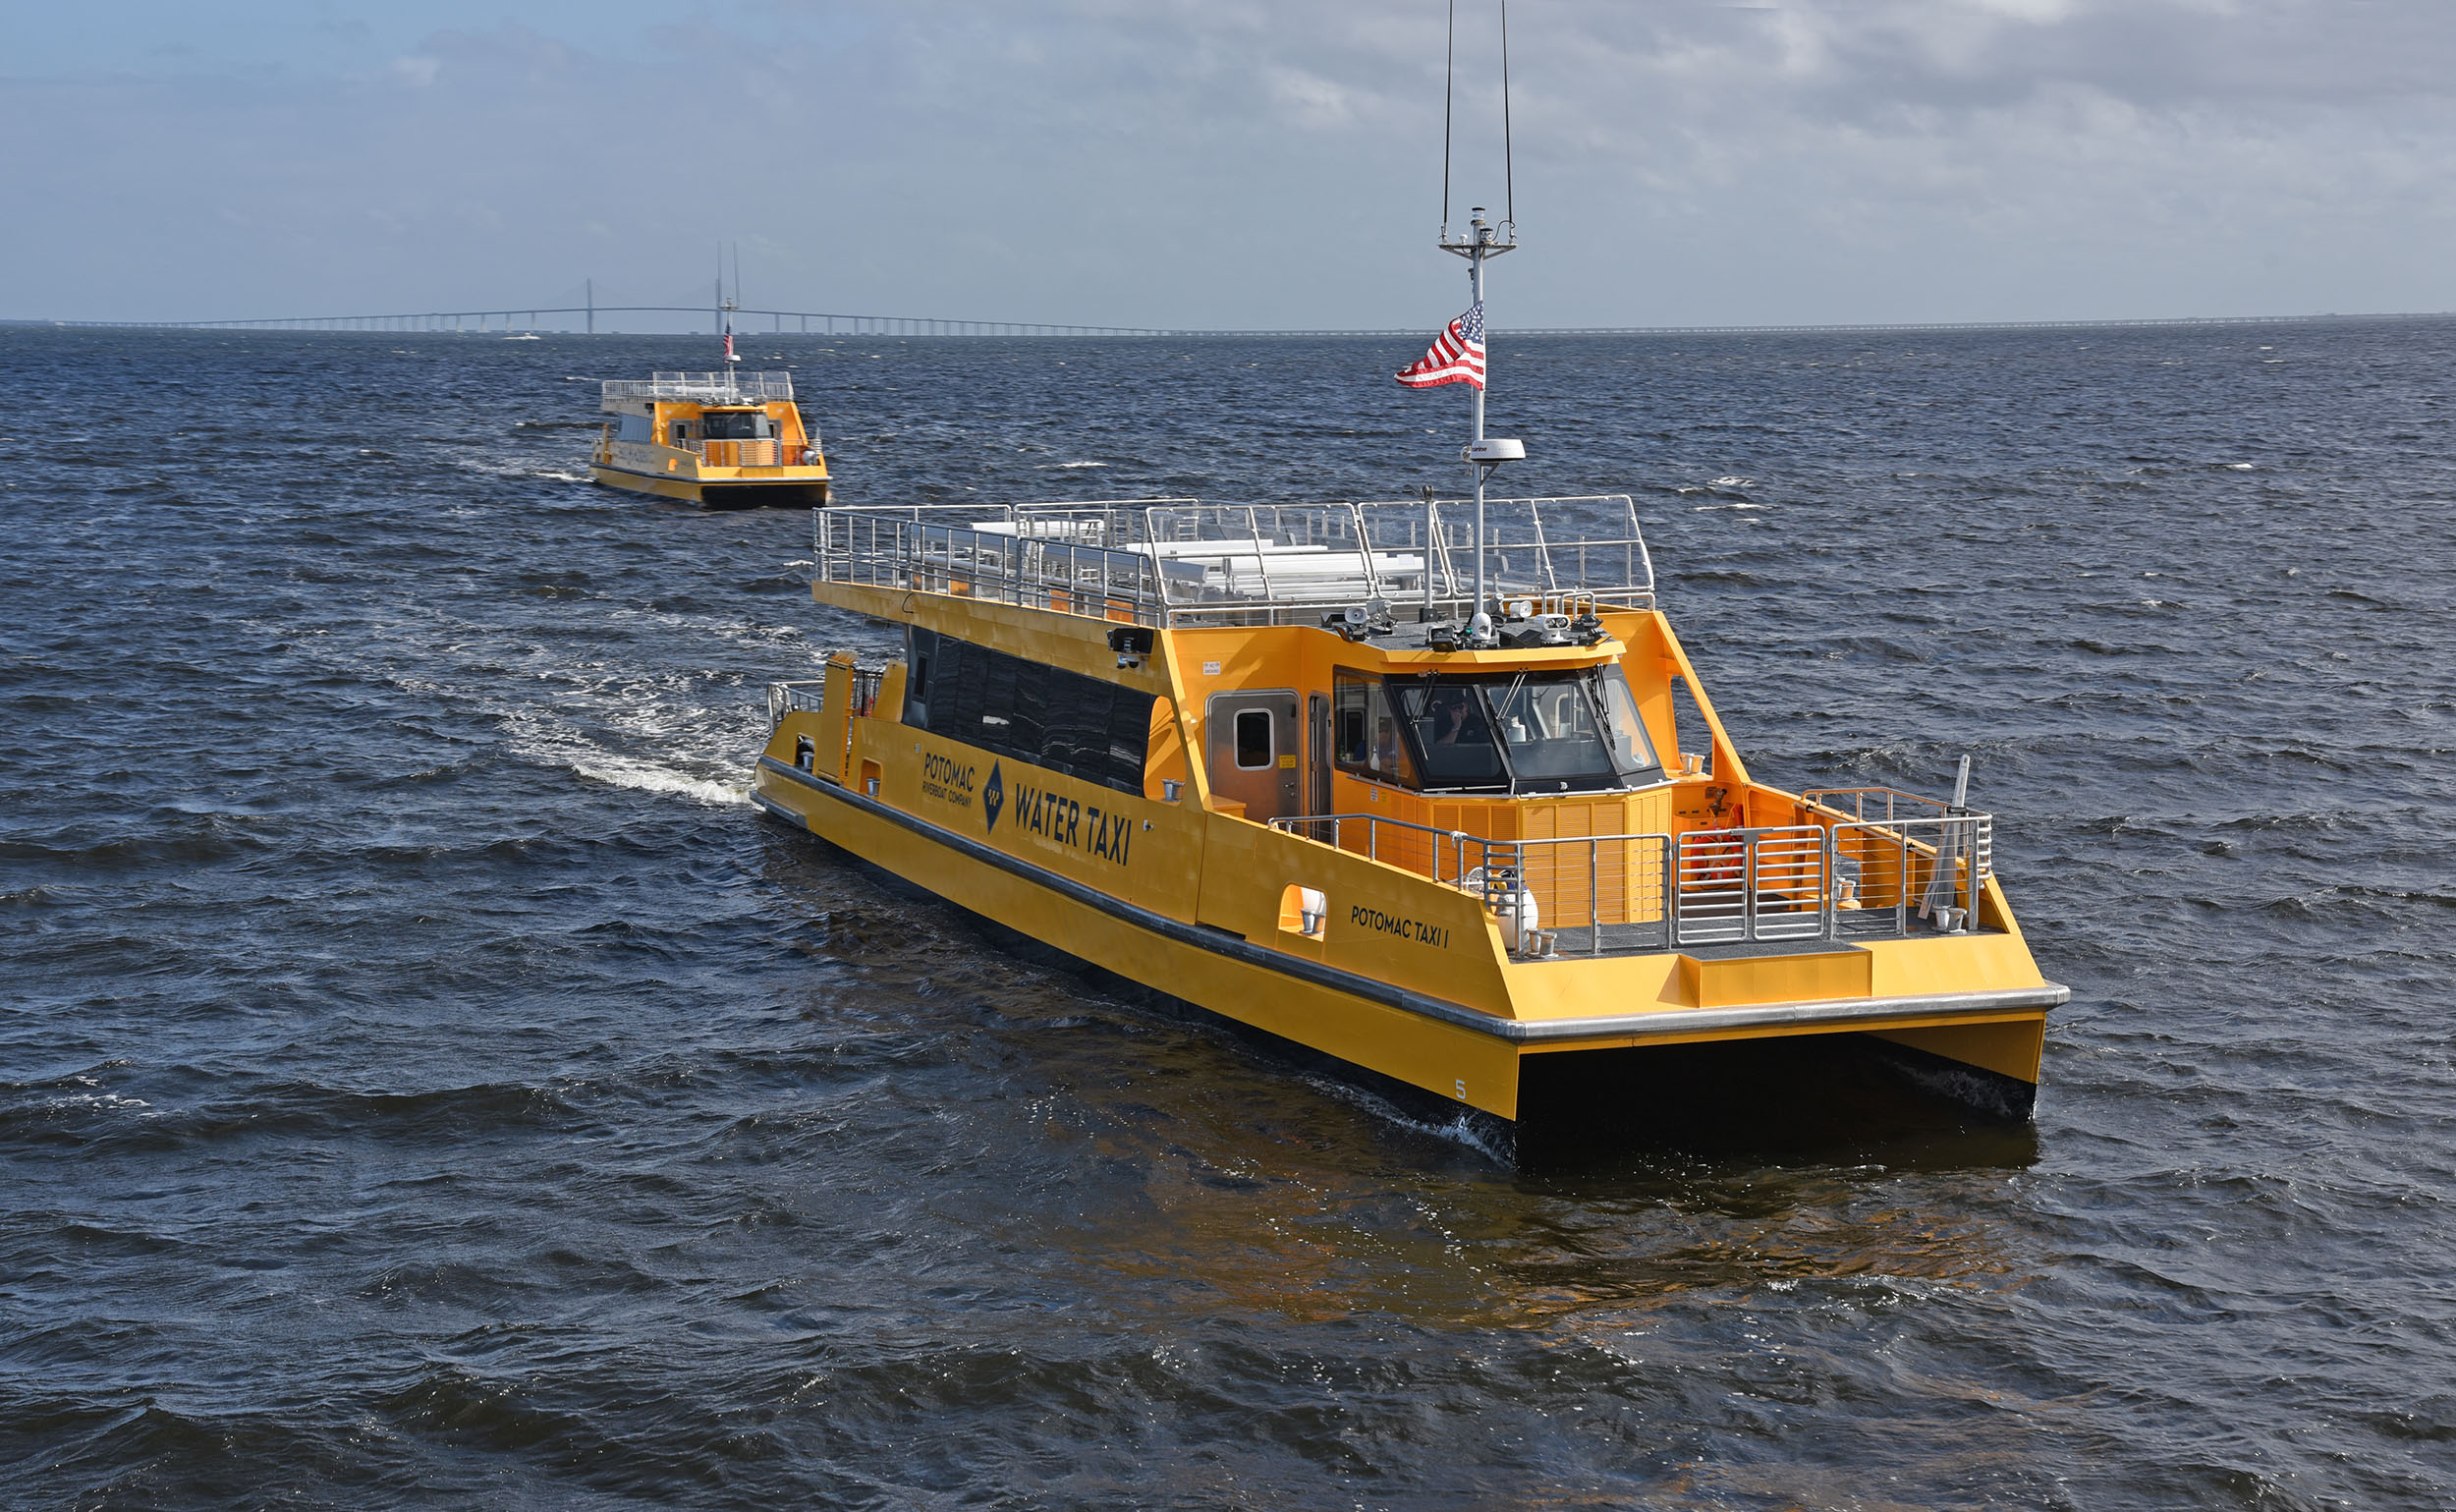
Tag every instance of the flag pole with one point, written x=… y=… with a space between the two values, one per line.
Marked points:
x=1479 y=623
x=1481 y=242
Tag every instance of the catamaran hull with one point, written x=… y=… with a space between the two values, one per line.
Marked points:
x=719 y=495
x=1989 y=1038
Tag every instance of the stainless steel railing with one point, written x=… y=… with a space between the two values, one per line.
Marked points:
x=807 y=697
x=1752 y=884
x=1601 y=894
x=703 y=387
x=1179 y=561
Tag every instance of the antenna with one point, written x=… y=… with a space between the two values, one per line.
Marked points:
x=1449 y=79
x=1509 y=168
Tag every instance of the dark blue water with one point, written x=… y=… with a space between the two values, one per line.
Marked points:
x=425 y=1081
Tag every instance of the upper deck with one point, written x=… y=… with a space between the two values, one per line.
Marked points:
x=1178 y=562
x=699 y=388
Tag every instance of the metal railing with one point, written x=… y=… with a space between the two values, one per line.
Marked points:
x=808 y=697
x=948 y=549
x=1889 y=872
x=1561 y=552
x=1752 y=884
x=703 y=387
x=1179 y=561
x=1889 y=806
x=1611 y=894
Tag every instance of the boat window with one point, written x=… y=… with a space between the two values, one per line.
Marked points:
x=682 y=431
x=1049 y=716
x=1364 y=734
x=1453 y=735
x=633 y=427
x=735 y=425
x=1553 y=730
x=1633 y=751
x=1253 y=739
x=1524 y=732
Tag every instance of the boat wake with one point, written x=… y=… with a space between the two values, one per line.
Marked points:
x=649 y=777
x=1459 y=1130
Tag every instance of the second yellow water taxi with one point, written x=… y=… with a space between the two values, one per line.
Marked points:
x=721 y=439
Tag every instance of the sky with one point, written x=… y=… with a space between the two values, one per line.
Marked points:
x=1253 y=164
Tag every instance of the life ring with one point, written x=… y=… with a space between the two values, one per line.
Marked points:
x=1719 y=859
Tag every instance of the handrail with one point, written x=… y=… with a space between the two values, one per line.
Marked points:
x=1763 y=884
x=1181 y=562
x=703 y=387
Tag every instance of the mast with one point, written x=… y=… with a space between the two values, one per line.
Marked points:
x=1482 y=243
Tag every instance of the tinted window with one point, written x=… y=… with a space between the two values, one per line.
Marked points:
x=734 y=425
x=1552 y=729
x=1365 y=730
x=1527 y=732
x=1632 y=751
x=1034 y=713
x=1453 y=735
x=1253 y=739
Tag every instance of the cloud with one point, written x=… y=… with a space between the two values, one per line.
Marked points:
x=1265 y=162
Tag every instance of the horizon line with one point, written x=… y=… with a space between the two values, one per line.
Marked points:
x=431 y=323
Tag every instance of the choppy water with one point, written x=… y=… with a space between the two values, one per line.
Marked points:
x=425 y=1081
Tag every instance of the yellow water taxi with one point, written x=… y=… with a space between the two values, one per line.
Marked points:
x=1254 y=758
x=721 y=439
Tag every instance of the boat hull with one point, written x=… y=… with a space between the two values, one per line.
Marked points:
x=1451 y=1050
x=787 y=492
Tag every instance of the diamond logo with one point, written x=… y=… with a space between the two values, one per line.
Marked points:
x=993 y=797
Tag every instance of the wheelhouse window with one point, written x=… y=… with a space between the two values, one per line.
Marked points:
x=1553 y=729
x=1364 y=729
x=1523 y=732
x=1453 y=734
x=735 y=425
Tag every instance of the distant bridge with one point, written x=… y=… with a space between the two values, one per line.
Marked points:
x=812 y=322
x=807 y=322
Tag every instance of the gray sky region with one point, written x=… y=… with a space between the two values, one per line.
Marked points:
x=1233 y=163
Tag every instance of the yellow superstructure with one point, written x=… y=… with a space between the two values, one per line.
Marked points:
x=721 y=439
x=1236 y=754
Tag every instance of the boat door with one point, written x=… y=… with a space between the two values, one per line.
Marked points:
x=1252 y=748
x=1317 y=754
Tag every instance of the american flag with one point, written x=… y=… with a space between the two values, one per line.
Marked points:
x=1455 y=357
